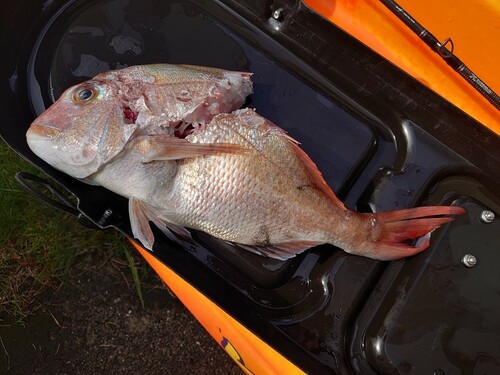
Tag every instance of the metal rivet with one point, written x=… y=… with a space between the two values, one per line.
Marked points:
x=469 y=260
x=277 y=14
x=487 y=216
x=105 y=216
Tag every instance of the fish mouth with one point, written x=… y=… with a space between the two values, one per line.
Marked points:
x=40 y=139
x=42 y=132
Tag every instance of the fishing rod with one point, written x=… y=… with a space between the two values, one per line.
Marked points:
x=446 y=54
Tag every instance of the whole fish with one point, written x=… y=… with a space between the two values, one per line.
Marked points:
x=199 y=164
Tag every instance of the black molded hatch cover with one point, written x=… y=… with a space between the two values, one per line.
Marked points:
x=438 y=313
x=382 y=140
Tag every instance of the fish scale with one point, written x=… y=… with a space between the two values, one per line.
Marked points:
x=258 y=190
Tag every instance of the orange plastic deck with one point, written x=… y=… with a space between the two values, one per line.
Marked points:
x=473 y=25
x=253 y=355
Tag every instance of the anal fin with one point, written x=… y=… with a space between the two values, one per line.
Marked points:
x=281 y=251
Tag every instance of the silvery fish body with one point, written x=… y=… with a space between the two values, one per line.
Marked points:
x=170 y=139
x=266 y=192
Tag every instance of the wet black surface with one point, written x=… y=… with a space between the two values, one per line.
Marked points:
x=433 y=313
x=381 y=140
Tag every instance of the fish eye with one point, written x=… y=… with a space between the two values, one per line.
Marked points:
x=85 y=94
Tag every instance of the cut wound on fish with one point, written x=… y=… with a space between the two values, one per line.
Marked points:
x=129 y=115
x=183 y=129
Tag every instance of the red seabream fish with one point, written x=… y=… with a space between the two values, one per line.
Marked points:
x=170 y=138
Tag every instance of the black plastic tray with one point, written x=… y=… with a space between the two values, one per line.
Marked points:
x=382 y=141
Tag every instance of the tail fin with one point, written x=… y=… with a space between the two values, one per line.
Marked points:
x=394 y=227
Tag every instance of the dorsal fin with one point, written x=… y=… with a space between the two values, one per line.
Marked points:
x=314 y=172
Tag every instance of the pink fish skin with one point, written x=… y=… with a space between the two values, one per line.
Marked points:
x=234 y=175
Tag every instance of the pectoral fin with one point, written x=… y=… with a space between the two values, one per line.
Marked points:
x=141 y=214
x=171 y=148
x=139 y=220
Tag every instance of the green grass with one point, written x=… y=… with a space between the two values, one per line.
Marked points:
x=39 y=244
x=135 y=274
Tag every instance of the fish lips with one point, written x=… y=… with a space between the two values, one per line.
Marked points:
x=40 y=139
x=78 y=159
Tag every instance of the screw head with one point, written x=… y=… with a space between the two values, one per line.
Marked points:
x=277 y=14
x=469 y=260
x=487 y=216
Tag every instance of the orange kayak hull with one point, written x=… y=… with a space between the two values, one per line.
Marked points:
x=472 y=25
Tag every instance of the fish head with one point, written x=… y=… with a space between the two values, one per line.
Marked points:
x=93 y=121
x=84 y=129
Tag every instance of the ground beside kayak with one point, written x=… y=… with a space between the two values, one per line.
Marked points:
x=94 y=323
